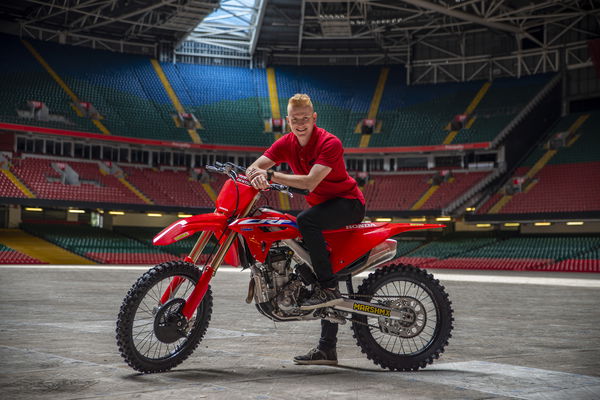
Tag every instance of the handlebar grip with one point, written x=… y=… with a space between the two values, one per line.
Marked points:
x=212 y=169
x=283 y=188
x=304 y=192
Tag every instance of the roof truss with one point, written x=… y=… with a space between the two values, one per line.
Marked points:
x=232 y=28
x=137 y=22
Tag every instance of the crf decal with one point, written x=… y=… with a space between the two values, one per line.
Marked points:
x=268 y=222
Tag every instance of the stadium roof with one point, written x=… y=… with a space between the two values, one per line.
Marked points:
x=138 y=26
x=394 y=28
x=235 y=26
x=283 y=30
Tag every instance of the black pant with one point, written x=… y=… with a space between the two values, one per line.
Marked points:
x=332 y=214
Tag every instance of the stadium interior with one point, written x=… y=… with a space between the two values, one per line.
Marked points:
x=488 y=123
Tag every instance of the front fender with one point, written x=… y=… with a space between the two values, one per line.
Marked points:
x=188 y=226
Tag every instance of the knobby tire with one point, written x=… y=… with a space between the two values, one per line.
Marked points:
x=363 y=331
x=131 y=304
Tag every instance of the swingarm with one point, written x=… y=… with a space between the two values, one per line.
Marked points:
x=403 y=314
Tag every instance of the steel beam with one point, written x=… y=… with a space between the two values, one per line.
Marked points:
x=471 y=18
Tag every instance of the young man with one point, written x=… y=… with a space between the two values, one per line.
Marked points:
x=317 y=159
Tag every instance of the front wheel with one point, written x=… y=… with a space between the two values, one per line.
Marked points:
x=154 y=336
x=417 y=340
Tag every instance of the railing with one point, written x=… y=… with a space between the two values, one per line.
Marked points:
x=474 y=189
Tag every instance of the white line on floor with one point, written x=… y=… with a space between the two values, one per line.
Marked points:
x=511 y=380
x=76 y=267
x=516 y=277
x=520 y=280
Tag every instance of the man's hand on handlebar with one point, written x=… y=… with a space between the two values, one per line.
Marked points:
x=258 y=178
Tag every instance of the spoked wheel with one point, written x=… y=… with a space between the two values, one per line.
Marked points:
x=419 y=338
x=154 y=336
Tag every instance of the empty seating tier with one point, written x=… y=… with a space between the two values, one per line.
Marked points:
x=563 y=187
x=586 y=262
x=503 y=102
x=145 y=235
x=562 y=180
x=99 y=244
x=8 y=188
x=232 y=103
x=11 y=256
x=451 y=190
x=45 y=182
x=395 y=192
x=176 y=188
x=562 y=253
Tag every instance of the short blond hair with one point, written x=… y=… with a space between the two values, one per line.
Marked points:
x=300 y=100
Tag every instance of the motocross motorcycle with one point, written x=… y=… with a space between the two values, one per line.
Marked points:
x=400 y=315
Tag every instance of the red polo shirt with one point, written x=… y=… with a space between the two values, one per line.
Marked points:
x=322 y=148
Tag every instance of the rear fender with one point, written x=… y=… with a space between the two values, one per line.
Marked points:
x=396 y=229
x=188 y=226
x=354 y=241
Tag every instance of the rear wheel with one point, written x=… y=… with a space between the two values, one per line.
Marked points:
x=419 y=339
x=155 y=337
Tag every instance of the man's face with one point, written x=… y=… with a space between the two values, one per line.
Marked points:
x=301 y=120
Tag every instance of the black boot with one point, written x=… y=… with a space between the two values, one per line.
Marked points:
x=317 y=357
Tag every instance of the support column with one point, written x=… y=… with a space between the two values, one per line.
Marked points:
x=14 y=216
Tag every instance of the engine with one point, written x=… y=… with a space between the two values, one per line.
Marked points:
x=279 y=286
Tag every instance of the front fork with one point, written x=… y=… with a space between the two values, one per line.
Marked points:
x=195 y=298
x=191 y=258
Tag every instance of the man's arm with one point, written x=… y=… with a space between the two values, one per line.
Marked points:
x=257 y=173
x=317 y=173
x=262 y=162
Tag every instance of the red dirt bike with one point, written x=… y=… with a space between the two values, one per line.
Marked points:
x=401 y=316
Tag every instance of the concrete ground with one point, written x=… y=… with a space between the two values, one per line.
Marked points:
x=517 y=336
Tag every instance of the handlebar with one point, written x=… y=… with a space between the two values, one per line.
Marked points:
x=229 y=165
x=290 y=189
x=229 y=168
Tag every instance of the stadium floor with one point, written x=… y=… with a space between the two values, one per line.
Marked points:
x=518 y=335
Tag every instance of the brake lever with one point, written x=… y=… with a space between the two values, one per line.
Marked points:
x=233 y=166
x=281 y=188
